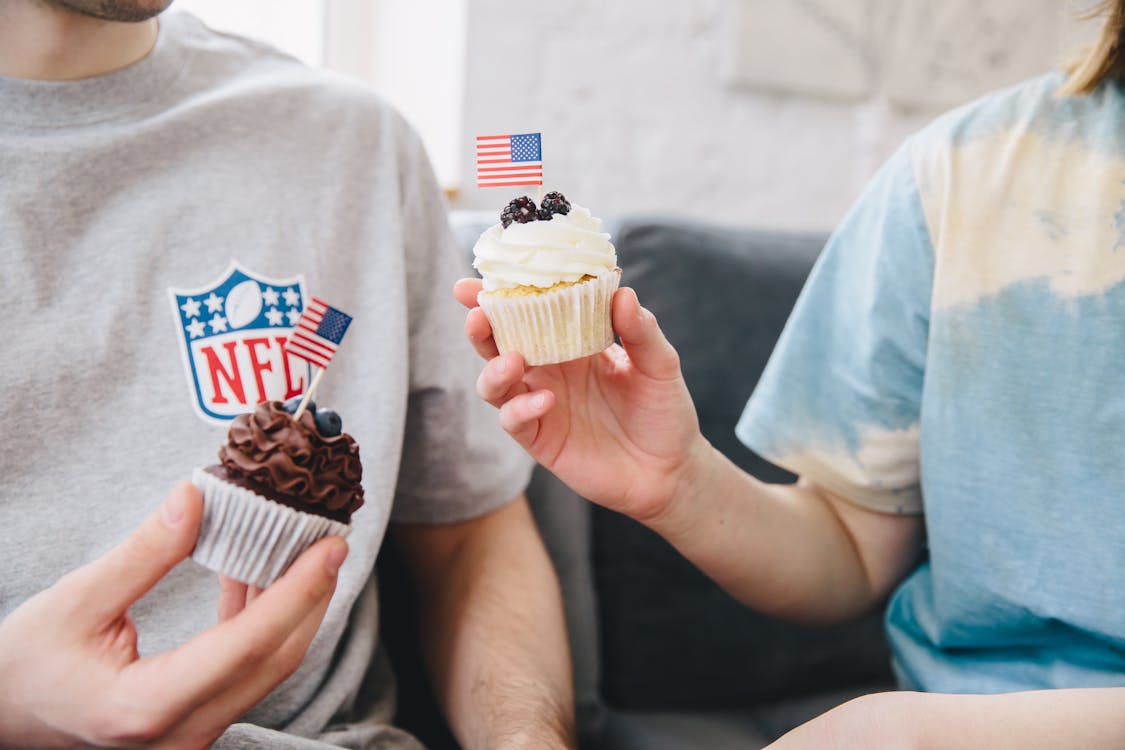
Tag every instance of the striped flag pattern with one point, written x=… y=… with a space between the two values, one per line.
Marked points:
x=318 y=333
x=504 y=160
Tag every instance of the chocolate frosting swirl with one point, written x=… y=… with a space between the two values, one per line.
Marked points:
x=289 y=461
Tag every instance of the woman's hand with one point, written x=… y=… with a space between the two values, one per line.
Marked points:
x=619 y=427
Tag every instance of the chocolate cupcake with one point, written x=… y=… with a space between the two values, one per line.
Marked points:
x=280 y=485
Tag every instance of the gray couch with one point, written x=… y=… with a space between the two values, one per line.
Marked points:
x=663 y=658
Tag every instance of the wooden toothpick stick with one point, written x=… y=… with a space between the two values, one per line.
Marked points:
x=308 y=394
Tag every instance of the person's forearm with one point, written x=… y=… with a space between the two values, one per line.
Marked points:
x=1086 y=718
x=496 y=640
x=781 y=549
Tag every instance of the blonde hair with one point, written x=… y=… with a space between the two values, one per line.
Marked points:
x=1106 y=58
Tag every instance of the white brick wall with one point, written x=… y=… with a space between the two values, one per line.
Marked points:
x=637 y=114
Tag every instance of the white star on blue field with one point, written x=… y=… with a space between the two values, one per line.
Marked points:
x=204 y=315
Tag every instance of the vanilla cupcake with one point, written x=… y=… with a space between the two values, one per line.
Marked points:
x=280 y=485
x=549 y=277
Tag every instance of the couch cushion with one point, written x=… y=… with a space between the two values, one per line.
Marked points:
x=671 y=638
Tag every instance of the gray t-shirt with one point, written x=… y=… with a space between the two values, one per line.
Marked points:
x=118 y=189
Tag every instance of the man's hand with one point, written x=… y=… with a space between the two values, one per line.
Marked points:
x=619 y=427
x=70 y=674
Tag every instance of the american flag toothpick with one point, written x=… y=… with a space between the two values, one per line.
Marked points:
x=505 y=160
x=315 y=338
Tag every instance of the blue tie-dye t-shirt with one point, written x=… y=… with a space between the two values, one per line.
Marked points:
x=959 y=350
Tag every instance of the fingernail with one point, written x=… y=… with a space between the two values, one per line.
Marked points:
x=502 y=366
x=335 y=559
x=173 y=509
x=538 y=400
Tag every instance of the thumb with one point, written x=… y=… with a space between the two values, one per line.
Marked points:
x=644 y=342
x=466 y=291
x=110 y=584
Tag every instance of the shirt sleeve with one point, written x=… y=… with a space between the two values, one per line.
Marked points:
x=839 y=401
x=457 y=462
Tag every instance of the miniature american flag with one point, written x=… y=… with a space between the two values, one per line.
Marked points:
x=318 y=332
x=509 y=160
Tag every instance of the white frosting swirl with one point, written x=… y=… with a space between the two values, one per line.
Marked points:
x=544 y=253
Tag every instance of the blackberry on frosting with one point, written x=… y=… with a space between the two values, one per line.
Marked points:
x=555 y=202
x=522 y=210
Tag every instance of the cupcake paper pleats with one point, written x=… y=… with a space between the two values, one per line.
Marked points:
x=555 y=326
x=250 y=538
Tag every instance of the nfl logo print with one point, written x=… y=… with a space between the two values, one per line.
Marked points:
x=232 y=338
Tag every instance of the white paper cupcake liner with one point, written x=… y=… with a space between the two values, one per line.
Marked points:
x=556 y=326
x=250 y=538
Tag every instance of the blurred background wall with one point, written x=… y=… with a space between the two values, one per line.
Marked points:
x=770 y=113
